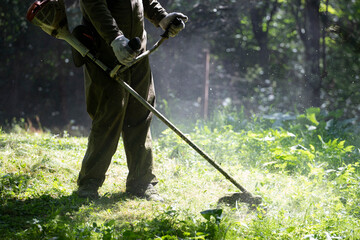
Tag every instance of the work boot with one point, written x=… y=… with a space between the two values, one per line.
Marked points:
x=89 y=191
x=148 y=192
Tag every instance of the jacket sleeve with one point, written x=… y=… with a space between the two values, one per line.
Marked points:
x=99 y=15
x=153 y=11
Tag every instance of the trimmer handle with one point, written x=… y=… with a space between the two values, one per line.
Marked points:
x=177 y=21
x=134 y=44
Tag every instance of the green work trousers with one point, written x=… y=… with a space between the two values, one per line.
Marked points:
x=114 y=112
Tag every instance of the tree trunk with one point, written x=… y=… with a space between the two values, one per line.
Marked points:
x=206 y=84
x=312 y=53
x=257 y=15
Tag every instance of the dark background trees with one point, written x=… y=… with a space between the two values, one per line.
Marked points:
x=265 y=56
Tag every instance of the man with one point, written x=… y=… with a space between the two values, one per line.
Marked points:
x=113 y=111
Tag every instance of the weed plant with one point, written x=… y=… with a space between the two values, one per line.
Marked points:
x=305 y=167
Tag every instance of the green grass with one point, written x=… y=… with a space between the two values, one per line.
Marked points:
x=309 y=184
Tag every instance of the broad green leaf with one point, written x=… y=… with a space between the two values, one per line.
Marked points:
x=216 y=213
x=315 y=111
x=312 y=118
x=312 y=148
x=290 y=229
x=330 y=9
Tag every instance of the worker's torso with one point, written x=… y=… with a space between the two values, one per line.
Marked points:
x=129 y=16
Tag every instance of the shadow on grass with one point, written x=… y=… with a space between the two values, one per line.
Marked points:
x=66 y=217
x=18 y=215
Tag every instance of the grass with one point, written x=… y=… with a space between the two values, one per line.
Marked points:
x=306 y=196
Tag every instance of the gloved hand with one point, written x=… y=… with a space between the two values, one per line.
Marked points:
x=124 y=54
x=165 y=23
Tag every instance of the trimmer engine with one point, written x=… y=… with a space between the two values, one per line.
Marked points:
x=50 y=16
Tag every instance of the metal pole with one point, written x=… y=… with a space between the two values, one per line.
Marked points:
x=180 y=134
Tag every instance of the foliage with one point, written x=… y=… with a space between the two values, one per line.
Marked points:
x=37 y=78
x=258 y=61
x=282 y=142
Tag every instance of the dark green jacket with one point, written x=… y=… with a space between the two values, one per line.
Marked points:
x=111 y=18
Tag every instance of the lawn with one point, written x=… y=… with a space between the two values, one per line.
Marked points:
x=307 y=177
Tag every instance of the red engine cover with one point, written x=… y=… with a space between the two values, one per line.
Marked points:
x=34 y=8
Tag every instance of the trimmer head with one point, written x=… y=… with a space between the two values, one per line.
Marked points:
x=232 y=198
x=50 y=16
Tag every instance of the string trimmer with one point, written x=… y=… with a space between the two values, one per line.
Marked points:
x=51 y=17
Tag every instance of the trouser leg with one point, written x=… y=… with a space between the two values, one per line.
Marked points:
x=136 y=130
x=114 y=112
x=106 y=105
